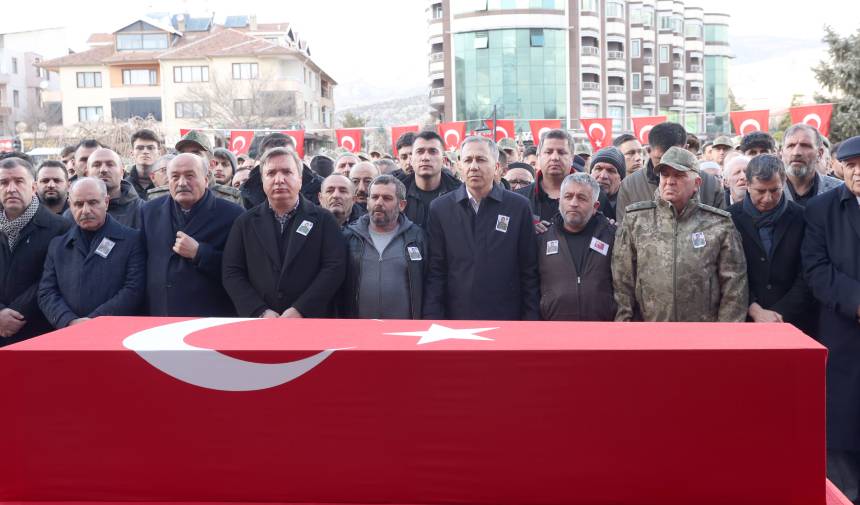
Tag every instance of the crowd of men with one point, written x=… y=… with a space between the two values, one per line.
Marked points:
x=672 y=231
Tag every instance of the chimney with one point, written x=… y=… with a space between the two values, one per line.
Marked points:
x=253 y=23
x=180 y=22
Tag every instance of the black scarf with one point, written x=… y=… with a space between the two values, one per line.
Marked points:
x=765 y=222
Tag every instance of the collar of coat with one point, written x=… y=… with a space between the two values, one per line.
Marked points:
x=495 y=193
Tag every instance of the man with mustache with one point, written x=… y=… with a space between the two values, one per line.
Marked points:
x=185 y=235
x=802 y=149
x=361 y=176
x=97 y=268
x=52 y=185
x=387 y=258
x=337 y=196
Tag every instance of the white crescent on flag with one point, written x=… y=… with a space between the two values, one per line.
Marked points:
x=164 y=347
x=238 y=143
x=504 y=132
x=643 y=133
x=295 y=143
x=597 y=126
x=750 y=122
x=345 y=139
x=456 y=135
x=812 y=117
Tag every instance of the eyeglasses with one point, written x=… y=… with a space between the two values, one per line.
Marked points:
x=518 y=182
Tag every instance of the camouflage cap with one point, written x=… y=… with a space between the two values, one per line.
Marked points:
x=582 y=148
x=194 y=137
x=508 y=143
x=723 y=140
x=680 y=159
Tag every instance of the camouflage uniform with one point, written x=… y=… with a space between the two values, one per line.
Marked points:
x=668 y=266
x=228 y=193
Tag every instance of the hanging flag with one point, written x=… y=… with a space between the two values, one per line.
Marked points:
x=298 y=137
x=539 y=126
x=817 y=116
x=504 y=129
x=349 y=139
x=240 y=141
x=452 y=133
x=184 y=131
x=748 y=121
x=397 y=131
x=599 y=131
x=642 y=126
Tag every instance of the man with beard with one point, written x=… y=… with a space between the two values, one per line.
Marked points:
x=387 y=258
x=52 y=186
x=801 y=152
x=224 y=167
x=361 y=176
x=146 y=148
x=67 y=155
x=124 y=204
x=427 y=180
x=337 y=196
x=608 y=168
x=735 y=179
x=575 y=255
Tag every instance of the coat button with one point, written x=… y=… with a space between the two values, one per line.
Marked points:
x=763 y=258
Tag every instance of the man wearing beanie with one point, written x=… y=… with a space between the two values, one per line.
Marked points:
x=608 y=168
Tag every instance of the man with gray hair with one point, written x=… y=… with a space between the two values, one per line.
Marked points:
x=734 y=178
x=483 y=253
x=97 y=268
x=185 y=234
x=802 y=150
x=337 y=195
x=575 y=256
x=387 y=257
x=26 y=229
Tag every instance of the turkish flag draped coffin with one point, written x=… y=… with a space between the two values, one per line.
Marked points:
x=364 y=411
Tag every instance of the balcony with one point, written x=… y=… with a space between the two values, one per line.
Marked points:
x=648 y=92
x=696 y=97
x=437 y=92
x=615 y=55
x=616 y=88
x=436 y=57
x=677 y=65
x=648 y=60
x=590 y=51
x=593 y=86
x=677 y=95
x=694 y=69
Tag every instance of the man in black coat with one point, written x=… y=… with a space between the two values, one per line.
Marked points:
x=185 y=235
x=26 y=230
x=483 y=253
x=286 y=257
x=771 y=228
x=831 y=261
x=252 y=190
x=428 y=180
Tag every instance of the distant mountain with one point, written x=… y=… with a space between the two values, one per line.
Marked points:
x=400 y=111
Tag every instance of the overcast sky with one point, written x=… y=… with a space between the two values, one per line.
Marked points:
x=379 y=47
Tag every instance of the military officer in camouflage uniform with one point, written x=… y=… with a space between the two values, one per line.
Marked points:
x=196 y=143
x=676 y=259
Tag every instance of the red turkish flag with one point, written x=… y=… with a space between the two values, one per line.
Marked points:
x=504 y=129
x=298 y=137
x=240 y=141
x=599 y=131
x=184 y=131
x=397 y=131
x=748 y=121
x=452 y=133
x=349 y=139
x=539 y=126
x=817 y=116
x=642 y=126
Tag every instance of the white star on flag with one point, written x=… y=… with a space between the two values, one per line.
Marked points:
x=437 y=332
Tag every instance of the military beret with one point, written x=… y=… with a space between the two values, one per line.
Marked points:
x=849 y=148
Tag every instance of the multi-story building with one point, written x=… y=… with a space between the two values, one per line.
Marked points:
x=571 y=59
x=191 y=72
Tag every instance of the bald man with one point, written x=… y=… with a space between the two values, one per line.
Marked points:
x=361 y=175
x=337 y=195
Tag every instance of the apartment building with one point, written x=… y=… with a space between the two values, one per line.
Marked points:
x=571 y=59
x=192 y=72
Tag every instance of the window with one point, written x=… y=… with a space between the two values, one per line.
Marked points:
x=693 y=29
x=14 y=65
x=664 y=85
x=90 y=113
x=616 y=112
x=192 y=109
x=636 y=48
x=614 y=9
x=89 y=79
x=716 y=33
x=636 y=81
x=482 y=40
x=243 y=106
x=636 y=15
x=665 y=22
x=191 y=74
x=664 y=54
x=588 y=5
x=138 y=41
x=647 y=17
x=536 y=37
x=16 y=100
x=244 y=71
x=139 y=77
x=437 y=11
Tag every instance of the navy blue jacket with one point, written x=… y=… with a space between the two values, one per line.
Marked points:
x=177 y=286
x=78 y=282
x=21 y=270
x=478 y=271
x=831 y=262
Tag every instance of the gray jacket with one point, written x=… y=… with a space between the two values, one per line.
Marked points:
x=825 y=184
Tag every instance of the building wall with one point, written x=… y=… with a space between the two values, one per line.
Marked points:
x=75 y=97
